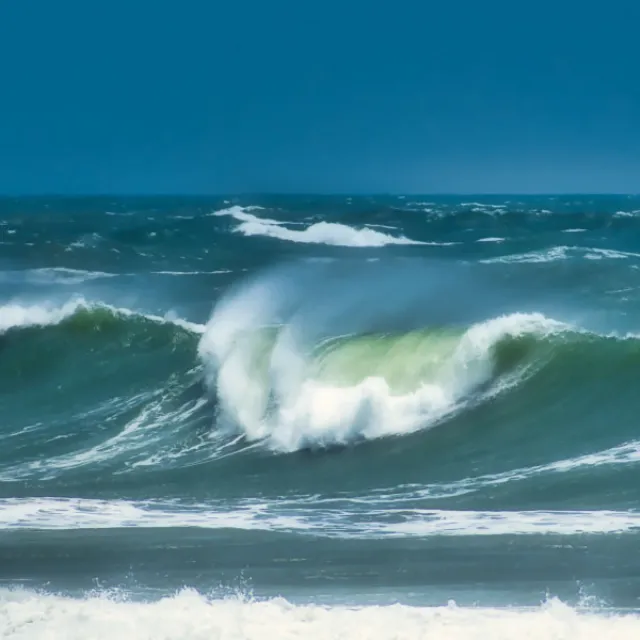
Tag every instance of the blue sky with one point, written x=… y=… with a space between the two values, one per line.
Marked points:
x=204 y=96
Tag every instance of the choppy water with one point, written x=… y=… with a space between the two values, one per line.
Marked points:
x=320 y=417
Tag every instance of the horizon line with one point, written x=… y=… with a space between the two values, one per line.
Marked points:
x=319 y=194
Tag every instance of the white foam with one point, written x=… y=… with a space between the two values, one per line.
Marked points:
x=86 y=241
x=189 y=615
x=329 y=233
x=18 y=315
x=479 y=206
x=80 y=513
x=564 y=253
x=547 y=255
x=306 y=515
x=573 y=230
x=497 y=240
x=55 y=275
x=191 y=273
x=599 y=254
x=63 y=275
x=421 y=522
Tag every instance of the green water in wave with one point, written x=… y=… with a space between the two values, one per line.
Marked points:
x=403 y=360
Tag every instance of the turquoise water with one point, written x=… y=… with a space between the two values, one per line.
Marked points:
x=281 y=415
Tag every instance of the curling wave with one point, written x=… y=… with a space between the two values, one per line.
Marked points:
x=278 y=385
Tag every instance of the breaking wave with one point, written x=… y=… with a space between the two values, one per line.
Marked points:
x=329 y=233
x=365 y=386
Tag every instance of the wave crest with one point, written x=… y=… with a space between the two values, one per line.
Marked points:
x=16 y=315
x=328 y=233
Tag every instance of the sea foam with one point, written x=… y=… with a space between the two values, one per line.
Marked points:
x=189 y=615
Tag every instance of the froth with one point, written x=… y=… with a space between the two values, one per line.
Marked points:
x=190 y=615
x=331 y=521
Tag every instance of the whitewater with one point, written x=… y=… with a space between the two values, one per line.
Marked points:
x=319 y=417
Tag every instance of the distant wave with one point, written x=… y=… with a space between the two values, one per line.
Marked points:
x=564 y=252
x=329 y=233
x=626 y=214
x=192 y=273
x=77 y=341
x=53 y=275
x=47 y=276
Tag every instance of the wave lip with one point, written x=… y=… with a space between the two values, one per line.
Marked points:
x=328 y=233
x=16 y=315
x=188 y=614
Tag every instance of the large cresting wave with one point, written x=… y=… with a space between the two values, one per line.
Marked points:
x=290 y=366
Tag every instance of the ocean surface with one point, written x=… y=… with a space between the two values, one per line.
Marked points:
x=320 y=417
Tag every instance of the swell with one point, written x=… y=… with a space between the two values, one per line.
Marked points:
x=38 y=338
x=503 y=460
x=87 y=385
x=93 y=243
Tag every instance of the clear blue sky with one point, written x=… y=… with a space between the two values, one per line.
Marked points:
x=208 y=96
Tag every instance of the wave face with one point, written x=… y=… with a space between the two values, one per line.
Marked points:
x=439 y=394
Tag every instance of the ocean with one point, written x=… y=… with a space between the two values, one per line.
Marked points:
x=320 y=417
